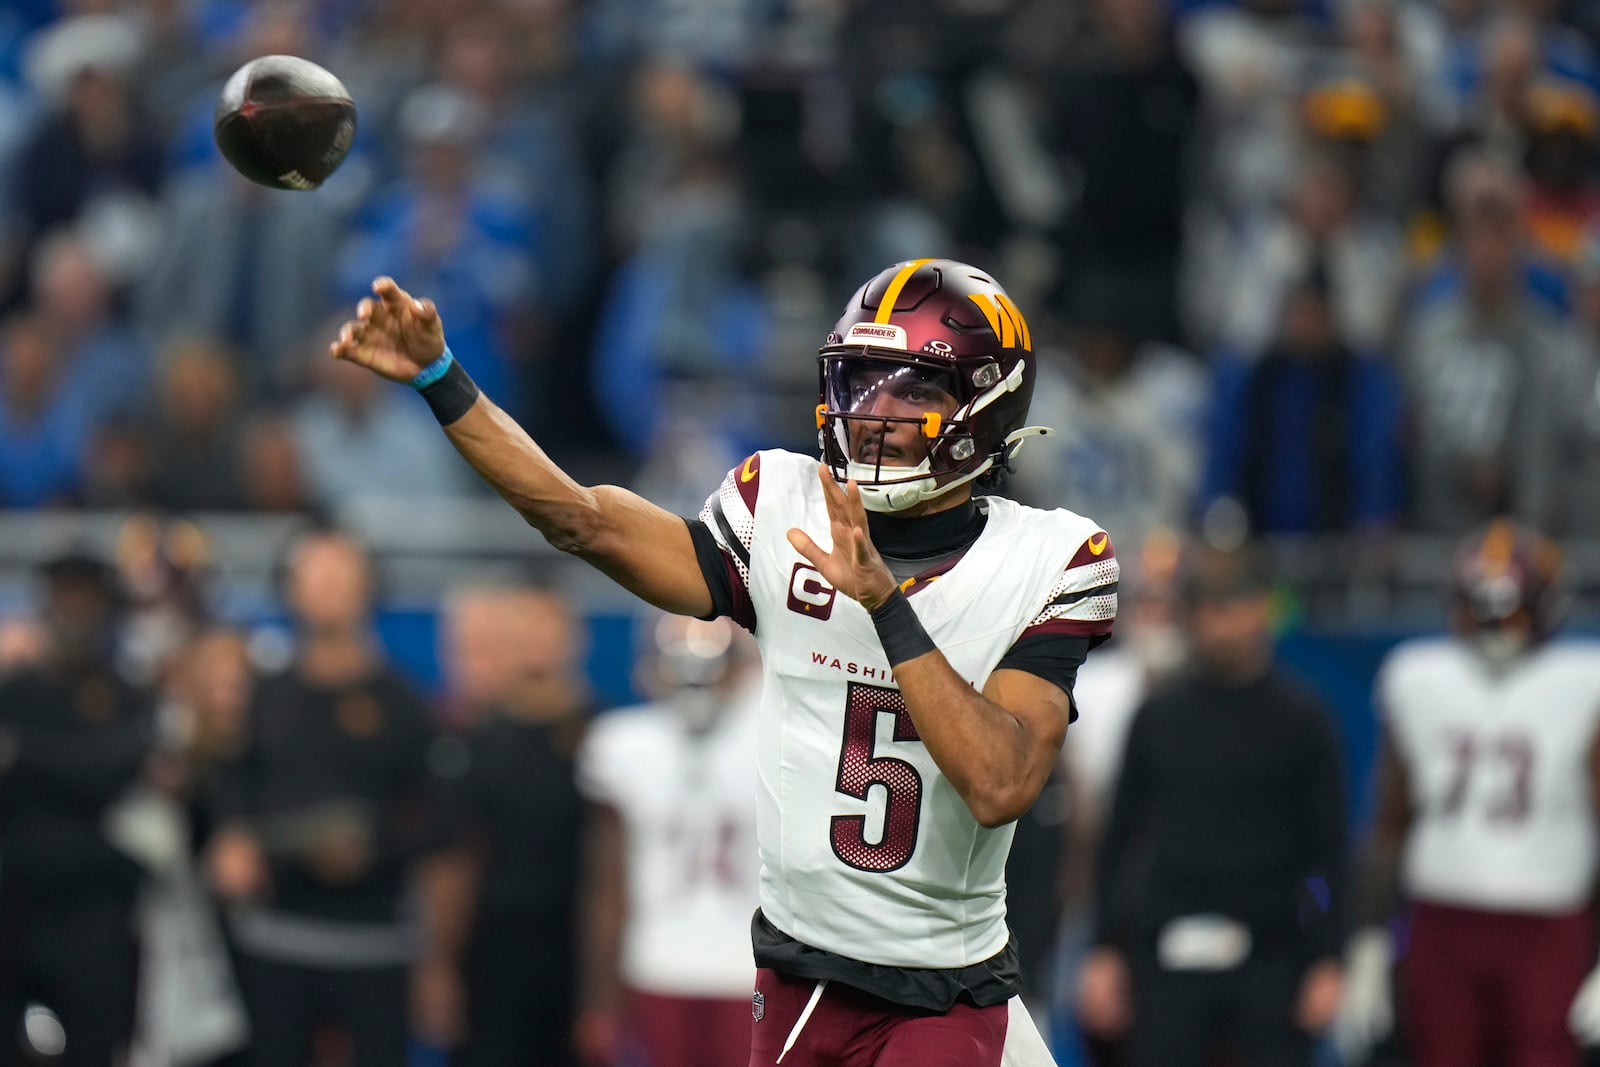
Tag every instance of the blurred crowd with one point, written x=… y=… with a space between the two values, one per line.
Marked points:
x=1229 y=223
x=262 y=851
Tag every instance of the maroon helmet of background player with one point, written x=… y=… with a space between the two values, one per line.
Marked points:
x=926 y=328
x=1509 y=588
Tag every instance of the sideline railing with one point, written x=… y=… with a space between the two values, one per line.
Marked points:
x=426 y=547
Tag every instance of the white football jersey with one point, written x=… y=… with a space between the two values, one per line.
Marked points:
x=1498 y=764
x=685 y=803
x=867 y=850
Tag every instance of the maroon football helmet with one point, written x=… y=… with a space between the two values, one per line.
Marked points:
x=946 y=341
x=1509 y=580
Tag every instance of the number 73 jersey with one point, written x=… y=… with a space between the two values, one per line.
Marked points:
x=867 y=850
x=1497 y=763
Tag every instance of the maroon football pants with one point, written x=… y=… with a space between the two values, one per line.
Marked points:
x=1486 y=988
x=848 y=1028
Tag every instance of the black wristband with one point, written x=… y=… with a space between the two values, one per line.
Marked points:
x=451 y=395
x=900 y=631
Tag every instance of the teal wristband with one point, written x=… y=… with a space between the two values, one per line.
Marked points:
x=433 y=371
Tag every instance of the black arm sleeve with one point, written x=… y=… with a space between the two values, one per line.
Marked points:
x=1053 y=657
x=728 y=594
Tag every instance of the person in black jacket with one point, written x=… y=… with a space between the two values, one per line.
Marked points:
x=74 y=736
x=515 y=654
x=322 y=819
x=1220 y=890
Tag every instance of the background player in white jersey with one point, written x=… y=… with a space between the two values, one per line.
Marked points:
x=1488 y=780
x=672 y=874
x=898 y=741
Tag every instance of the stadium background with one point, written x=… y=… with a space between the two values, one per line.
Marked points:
x=638 y=218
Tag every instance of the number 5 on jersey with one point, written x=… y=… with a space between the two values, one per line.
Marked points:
x=860 y=770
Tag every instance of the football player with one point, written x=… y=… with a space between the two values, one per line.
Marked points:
x=919 y=646
x=672 y=873
x=1488 y=778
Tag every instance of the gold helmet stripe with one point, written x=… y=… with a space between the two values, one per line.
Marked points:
x=891 y=295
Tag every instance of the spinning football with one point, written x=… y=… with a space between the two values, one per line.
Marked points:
x=284 y=122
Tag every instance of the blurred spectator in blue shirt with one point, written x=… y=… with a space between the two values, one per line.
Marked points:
x=244 y=264
x=1477 y=59
x=44 y=425
x=1307 y=438
x=681 y=312
x=453 y=228
x=530 y=137
x=91 y=151
x=66 y=368
x=108 y=362
x=679 y=321
x=358 y=439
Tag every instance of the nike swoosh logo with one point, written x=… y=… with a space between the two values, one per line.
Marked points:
x=749 y=471
x=1097 y=544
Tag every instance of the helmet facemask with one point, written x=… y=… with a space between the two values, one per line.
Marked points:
x=867 y=395
x=1500 y=624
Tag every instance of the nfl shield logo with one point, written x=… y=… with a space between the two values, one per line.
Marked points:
x=758 y=1006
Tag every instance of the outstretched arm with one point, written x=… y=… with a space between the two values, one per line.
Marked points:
x=645 y=549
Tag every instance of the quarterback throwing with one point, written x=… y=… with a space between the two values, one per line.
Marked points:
x=919 y=646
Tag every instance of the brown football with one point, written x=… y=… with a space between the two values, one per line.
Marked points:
x=284 y=122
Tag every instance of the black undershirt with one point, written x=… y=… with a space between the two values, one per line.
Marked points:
x=927 y=540
x=909 y=546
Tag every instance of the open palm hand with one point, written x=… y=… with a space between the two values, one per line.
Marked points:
x=393 y=334
x=854 y=566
